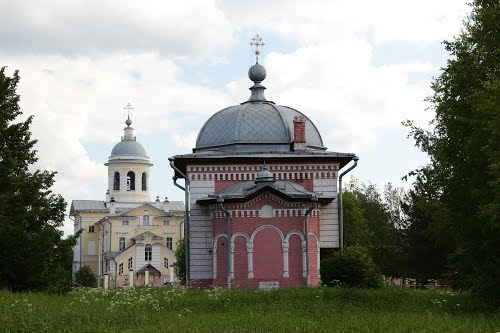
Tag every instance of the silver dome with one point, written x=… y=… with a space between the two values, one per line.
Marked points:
x=255 y=126
x=132 y=148
x=128 y=150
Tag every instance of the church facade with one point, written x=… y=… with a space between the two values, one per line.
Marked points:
x=262 y=192
x=126 y=239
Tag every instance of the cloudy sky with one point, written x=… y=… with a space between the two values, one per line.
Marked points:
x=356 y=68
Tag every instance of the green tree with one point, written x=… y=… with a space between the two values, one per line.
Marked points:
x=352 y=267
x=368 y=223
x=464 y=150
x=425 y=257
x=180 y=258
x=85 y=277
x=33 y=255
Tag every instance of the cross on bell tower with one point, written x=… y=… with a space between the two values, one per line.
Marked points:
x=257 y=44
x=128 y=107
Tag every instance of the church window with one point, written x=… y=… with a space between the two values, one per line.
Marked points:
x=116 y=181
x=122 y=244
x=120 y=269
x=166 y=222
x=165 y=262
x=148 y=252
x=124 y=222
x=144 y=186
x=169 y=242
x=145 y=220
x=91 y=228
x=130 y=262
x=130 y=181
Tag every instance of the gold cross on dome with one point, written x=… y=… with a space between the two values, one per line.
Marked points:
x=257 y=44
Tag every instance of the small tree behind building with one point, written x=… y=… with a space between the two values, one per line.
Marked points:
x=180 y=257
x=85 y=277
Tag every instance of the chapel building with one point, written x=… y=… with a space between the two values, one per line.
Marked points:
x=126 y=239
x=262 y=192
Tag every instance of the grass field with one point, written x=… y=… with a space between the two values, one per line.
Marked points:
x=284 y=310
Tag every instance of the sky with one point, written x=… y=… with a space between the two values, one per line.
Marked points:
x=357 y=69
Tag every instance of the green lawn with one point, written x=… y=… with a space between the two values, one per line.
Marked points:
x=284 y=310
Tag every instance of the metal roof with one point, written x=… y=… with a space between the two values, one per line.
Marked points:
x=88 y=206
x=169 y=206
x=129 y=147
x=243 y=191
x=252 y=125
x=97 y=206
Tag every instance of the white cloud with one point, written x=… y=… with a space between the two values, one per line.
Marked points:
x=95 y=26
x=80 y=100
x=420 y=22
x=82 y=61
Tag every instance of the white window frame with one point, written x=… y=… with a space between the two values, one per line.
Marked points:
x=169 y=242
x=148 y=252
x=121 y=244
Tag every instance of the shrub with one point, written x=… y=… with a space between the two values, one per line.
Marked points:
x=180 y=257
x=351 y=267
x=85 y=277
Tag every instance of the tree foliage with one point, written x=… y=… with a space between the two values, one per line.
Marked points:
x=425 y=256
x=180 y=258
x=351 y=267
x=370 y=222
x=33 y=255
x=85 y=277
x=463 y=145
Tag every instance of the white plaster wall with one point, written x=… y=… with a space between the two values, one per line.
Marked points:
x=328 y=220
x=200 y=231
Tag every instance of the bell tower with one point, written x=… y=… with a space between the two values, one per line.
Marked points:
x=128 y=168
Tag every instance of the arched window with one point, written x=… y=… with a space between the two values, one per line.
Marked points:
x=116 y=181
x=148 y=250
x=144 y=186
x=130 y=181
x=145 y=220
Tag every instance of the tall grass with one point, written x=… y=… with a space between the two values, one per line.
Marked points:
x=284 y=310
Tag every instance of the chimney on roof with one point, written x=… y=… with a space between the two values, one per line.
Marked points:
x=299 y=133
x=112 y=209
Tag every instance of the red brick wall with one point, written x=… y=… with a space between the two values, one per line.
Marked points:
x=267 y=255
x=295 y=257
x=267 y=249
x=240 y=258
x=299 y=134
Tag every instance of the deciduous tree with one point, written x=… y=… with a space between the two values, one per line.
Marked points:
x=33 y=254
x=464 y=150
